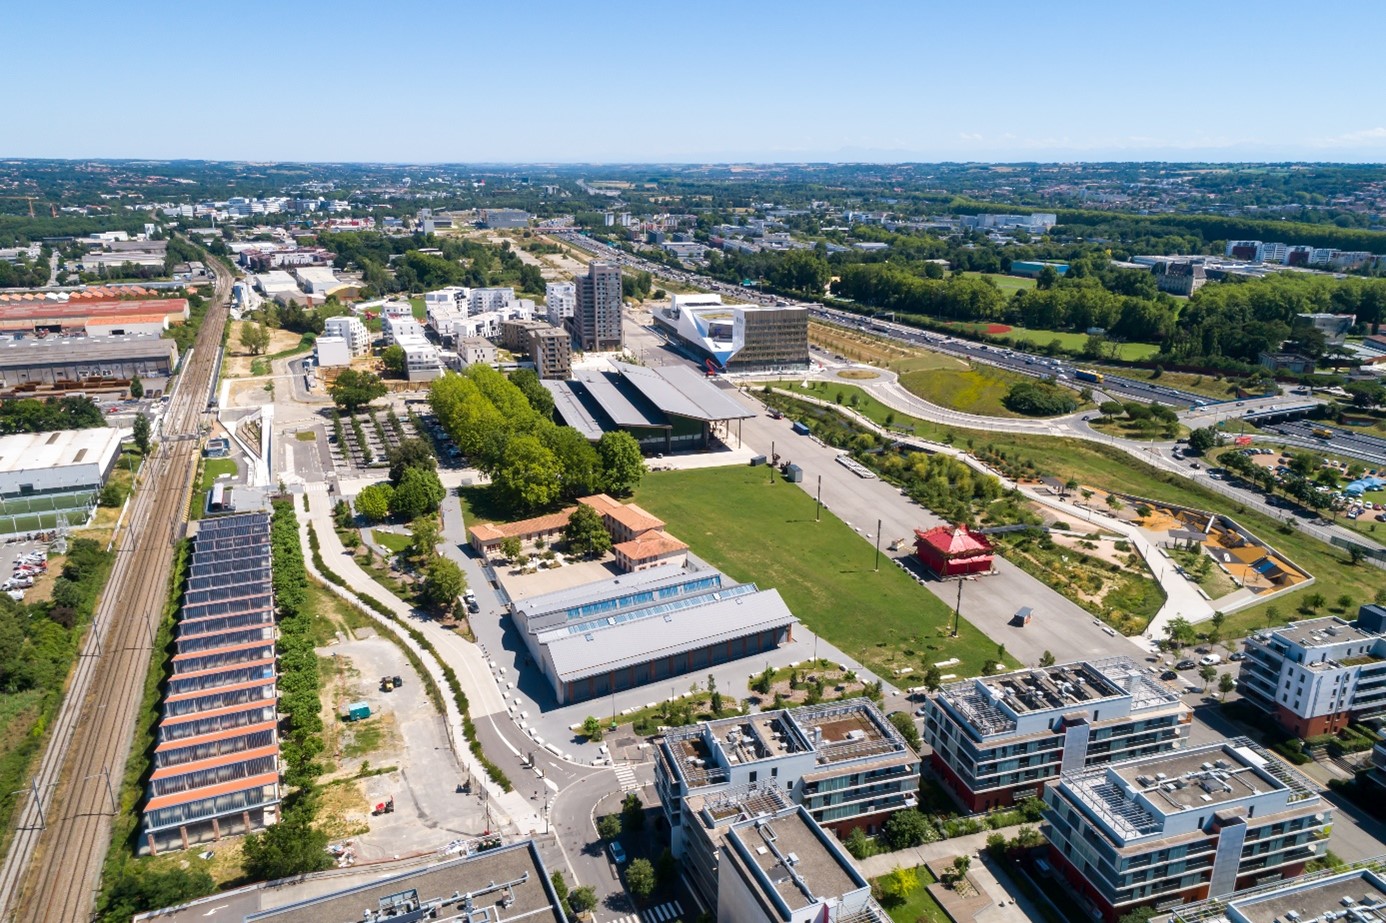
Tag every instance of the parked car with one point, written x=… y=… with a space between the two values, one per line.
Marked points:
x=1168 y=675
x=1185 y=665
x=1211 y=660
x=1237 y=655
x=618 y=855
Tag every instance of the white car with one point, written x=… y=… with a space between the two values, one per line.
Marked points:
x=1211 y=660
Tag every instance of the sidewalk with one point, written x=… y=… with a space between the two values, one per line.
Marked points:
x=467 y=662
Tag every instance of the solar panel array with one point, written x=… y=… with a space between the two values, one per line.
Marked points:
x=222 y=689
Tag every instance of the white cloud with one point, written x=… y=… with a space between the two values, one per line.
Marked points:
x=1366 y=137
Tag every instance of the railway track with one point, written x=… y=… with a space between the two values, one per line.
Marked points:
x=52 y=870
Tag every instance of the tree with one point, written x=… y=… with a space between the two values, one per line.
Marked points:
x=581 y=900
x=1345 y=602
x=960 y=866
x=715 y=695
x=1139 y=915
x=898 y=885
x=622 y=464
x=527 y=477
x=355 y=389
x=592 y=728
x=1180 y=633
x=293 y=846
x=666 y=869
x=527 y=380
x=859 y=844
x=393 y=360
x=443 y=583
x=1226 y=684
x=141 y=433
x=1046 y=659
x=255 y=337
x=138 y=887
x=136 y=388
x=423 y=542
x=373 y=502
x=1207 y=673
x=419 y=494
x=411 y=453
x=905 y=828
x=905 y=725
x=633 y=813
x=510 y=547
x=640 y=879
x=933 y=678
x=609 y=825
x=586 y=533
x=1203 y=439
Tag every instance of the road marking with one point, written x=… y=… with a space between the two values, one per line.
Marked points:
x=626 y=776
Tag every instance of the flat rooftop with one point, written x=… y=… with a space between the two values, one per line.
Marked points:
x=1058 y=686
x=1314 y=899
x=793 y=860
x=1323 y=632
x=58 y=449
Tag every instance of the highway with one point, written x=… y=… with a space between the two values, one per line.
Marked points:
x=53 y=868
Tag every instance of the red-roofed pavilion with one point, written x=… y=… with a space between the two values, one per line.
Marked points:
x=952 y=551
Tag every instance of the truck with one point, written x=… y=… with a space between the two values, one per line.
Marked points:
x=1088 y=375
x=1323 y=432
x=801 y=428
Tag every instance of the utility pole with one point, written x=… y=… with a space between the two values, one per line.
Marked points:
x=957 y=609
x=772 y=461
x=878 y=546
x=818 y=510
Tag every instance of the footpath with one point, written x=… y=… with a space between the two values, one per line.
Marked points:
x=467 y=661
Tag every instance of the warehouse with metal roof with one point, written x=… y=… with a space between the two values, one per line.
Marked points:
x=647 y=626
x=216 y=760
x=667 y=408
x=49 y=478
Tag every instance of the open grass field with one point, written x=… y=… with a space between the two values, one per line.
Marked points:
x=391 y=540
x=979 y=390
x=757 y=531
x=878 y=351
x=1008 y=285
x=1131 y=352
x=213 y=468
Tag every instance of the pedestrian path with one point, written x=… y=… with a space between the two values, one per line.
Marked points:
x=664 y=913
x=626 y=776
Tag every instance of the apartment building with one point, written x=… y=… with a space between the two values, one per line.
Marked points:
x=1186 y=826
x=350 y=329
x=1317 y=676
x=1354 y=894
x=596 y=321
x=844 y=762
x=421 y=360
x=548 y=347
x=561 y=300
x=998 y=739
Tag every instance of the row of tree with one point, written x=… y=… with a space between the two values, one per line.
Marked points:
x=32 y=415
x=533 y=463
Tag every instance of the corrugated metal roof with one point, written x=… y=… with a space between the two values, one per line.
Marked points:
x=625 y=406
x=571 y=409
x=575 y=657
x=680 y=390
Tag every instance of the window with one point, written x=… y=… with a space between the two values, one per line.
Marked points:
x=753 y=775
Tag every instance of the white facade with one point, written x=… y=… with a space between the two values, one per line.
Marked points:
x=561 y=298
x=332 y=351
x=276 y=282
x=454 y=298
x=421 y=361
x=491 y=299
x=351 y=330
x=57 y=462
x=397 y=330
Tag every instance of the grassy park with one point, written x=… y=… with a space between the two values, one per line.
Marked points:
x=1008 y=285
x=762 y=532
x=214 y=468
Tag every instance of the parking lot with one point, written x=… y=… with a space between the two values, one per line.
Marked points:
x=11 y=555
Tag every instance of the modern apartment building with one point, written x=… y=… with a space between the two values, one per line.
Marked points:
x=1355 y=894
x=998 y=739
x=561 y=301
x=1186 y=826
x=1317 y=676
x=596 y=321
x=843 y=761
x=548 y=347
x=350 y=329
x=421 y=362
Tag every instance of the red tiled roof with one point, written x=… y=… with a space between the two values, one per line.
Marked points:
x=652 y=544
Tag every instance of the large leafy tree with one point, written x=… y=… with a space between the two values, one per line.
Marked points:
x=640 y=878
x=527 y=380
x=443 y=583
x=355 y=389
x=585 y=533
x=142 y=433
x=419 y=493
x=393 y=359
x=373 y=502
x=291 y=847
x=579 y=465
x=622 y=464
x=528 y=477
x=411 y=453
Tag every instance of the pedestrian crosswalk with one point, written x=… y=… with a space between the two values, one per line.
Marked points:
x=626 y=776
x=664 y=913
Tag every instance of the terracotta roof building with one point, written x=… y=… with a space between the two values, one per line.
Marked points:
x=650 y=549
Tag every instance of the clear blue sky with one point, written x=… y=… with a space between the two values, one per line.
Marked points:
x=510 y=80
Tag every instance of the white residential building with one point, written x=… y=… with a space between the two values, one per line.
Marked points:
x=491 y=299
x=351 y=330
x=454 y=298
x=561 y=298
x=331 y=351
x=421 y=357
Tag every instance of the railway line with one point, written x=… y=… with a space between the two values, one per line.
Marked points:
x=53 y=867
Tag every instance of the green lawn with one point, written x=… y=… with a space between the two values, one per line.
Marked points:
x=1131 y=352
x=756 y=531
x=214 y=468
x=391 y=540
x=417 y=304
x=1008 y=285
x=920 y=904
x=978 y=391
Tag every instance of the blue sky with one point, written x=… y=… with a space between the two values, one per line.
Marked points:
x=508 y=80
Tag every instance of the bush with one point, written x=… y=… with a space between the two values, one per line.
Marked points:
x=1038 y=399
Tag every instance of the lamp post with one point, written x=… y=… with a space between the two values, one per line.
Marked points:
x=957 y=608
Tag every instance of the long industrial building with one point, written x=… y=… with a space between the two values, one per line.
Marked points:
x=47 y=361
x=738 y=337
x=666 y=408
x=600 y=638
x=216 y=761
x=95 y=312
x=45 y=476
x=997 y=740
